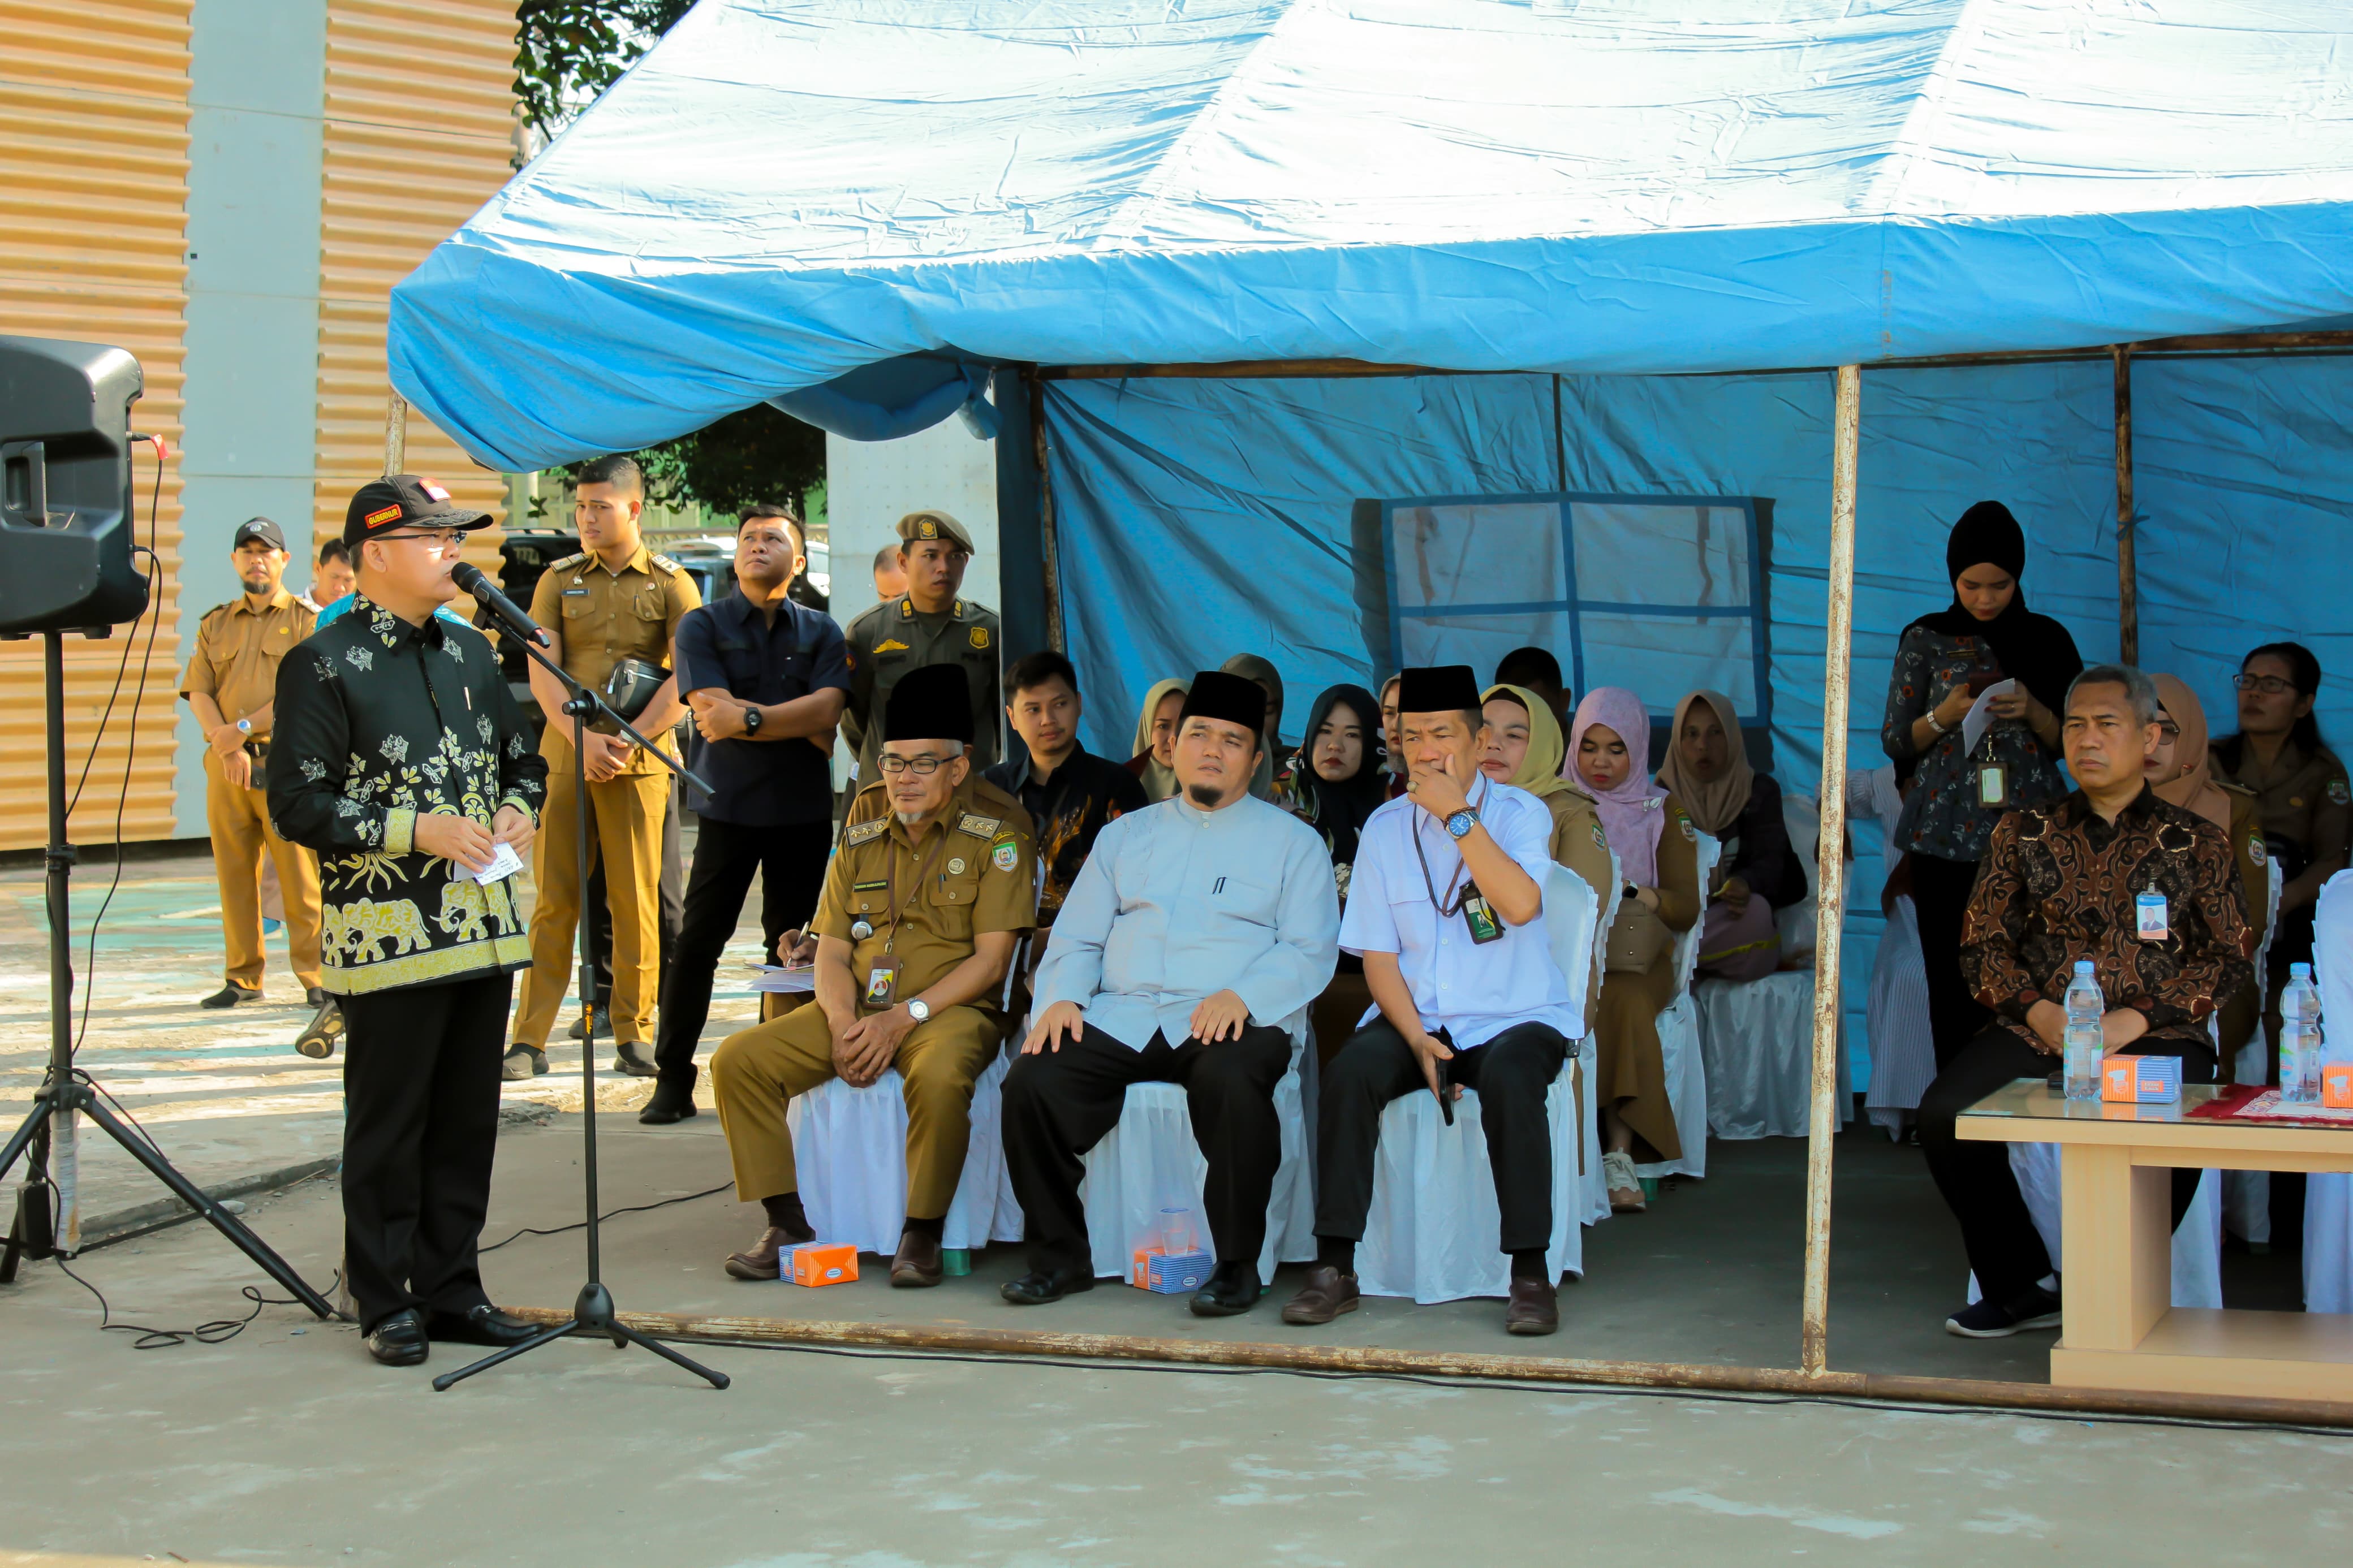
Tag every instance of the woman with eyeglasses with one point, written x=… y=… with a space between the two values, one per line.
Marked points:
x=2299 y=788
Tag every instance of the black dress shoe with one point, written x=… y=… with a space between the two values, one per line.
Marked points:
x=669 y=1104
x=1233 y=1287
x=1040 y=1286
x=634 y=1058
x=400 y=1340
x=482 y=1325
x=231 y=995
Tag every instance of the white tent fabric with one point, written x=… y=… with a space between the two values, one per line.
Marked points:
x=785 y=194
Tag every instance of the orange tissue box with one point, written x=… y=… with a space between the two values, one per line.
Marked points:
x=1169 y=1273
x=824 y=1263
x=2337 y=1086
x=2141 y=1081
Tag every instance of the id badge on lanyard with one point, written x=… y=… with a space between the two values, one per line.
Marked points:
x=2151 y=920
x=1993 y=784
x=1479 y=916
x=882 y=982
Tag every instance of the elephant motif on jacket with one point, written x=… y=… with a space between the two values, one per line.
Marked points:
x=465 y=909
x=358 y=928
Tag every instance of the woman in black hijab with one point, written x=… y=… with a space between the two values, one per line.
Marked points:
x=1945 y=662
x=1334 y=781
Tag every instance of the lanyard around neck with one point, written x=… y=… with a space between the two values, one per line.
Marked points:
x=1458 y=885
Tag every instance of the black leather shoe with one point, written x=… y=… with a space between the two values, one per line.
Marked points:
x=1233 y=1287
x=523 y=1064
x=579 y=1030
x=1040 y=1286
x=230 y=994
x=669 y=1104
x=400 y=1340
x=482 y=1325
x=634 y=1058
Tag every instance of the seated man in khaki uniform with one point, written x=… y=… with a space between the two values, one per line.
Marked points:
x=915 y=928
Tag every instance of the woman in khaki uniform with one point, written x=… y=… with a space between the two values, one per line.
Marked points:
x=1526 y=750
x=2179 y=772
x=1658 y=856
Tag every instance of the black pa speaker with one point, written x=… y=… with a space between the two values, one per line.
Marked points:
x=67 y=516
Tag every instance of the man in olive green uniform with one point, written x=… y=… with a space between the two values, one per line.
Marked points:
x=614 y=601
x=922 y=909
x=231 y=687
x=928 y=624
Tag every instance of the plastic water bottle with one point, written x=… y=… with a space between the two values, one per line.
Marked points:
x=2084 y=1037
x=2300 y=1042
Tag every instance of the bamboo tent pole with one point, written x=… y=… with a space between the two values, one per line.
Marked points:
x=2128 y=566
x=1838 y=658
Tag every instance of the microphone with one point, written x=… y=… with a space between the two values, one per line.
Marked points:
x=472 y=579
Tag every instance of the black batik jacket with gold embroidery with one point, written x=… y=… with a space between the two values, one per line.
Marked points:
x=377 y=722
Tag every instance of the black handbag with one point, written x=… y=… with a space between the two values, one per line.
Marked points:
x=632 y=684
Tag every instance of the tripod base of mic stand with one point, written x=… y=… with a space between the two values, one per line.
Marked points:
x=591 y=1314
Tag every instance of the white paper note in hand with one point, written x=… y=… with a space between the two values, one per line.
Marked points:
x=1980 y=718
x=799 y=978
x=504 y=863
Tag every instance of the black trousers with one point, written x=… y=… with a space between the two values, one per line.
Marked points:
x=2005 y=1249
x=1059 y=1104
x=1510 y=1074
x=598 y=909
x=791 y=863
x=421 y=1123
x=1940 y=898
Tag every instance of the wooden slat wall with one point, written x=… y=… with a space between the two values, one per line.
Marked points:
x=419 y=134
x=93 y=201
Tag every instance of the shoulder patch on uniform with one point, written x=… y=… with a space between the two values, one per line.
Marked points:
x=979 y=826
x=1005 y=855
x=1601 y=839
x=2338 y=794
x=866 y=832
x=890 y=645
x=670 y=567
x=979 y=637
x=1691 y=834
x=2255 y=851
x=569 y=560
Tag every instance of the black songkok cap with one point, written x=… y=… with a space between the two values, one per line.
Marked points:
x=933 y=703
x=1236 y=698
x=1437 y=689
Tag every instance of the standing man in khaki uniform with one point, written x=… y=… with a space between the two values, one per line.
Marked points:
x=926 y=625
x=921 y=907
x=613 y=600
x=230 y=685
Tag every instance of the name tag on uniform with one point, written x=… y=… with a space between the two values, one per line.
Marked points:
x=1479 y=915
x=2150 y=912
x=1993 y=784
x=575 y=593
x=882 y=983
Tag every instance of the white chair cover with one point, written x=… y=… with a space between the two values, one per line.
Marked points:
x=1593 y=1184
x=850 y=1148
x=1679 y=1044
x=1758 y=1036
x=1431 y=1231
x=2328 y=1196
x=1149 y=1162
x=2247 y=1194
x=2197 y=1241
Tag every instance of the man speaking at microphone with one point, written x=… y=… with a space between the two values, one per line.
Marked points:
x=407 y=767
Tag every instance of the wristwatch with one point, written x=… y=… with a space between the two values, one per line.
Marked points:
x=245 y=726
x=751 y=719
x=1460 y=824
x=918 y=1009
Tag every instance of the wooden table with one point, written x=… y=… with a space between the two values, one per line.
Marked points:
x=2119 y=1326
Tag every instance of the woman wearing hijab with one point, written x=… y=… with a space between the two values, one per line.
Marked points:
x=1525 y=750
x=1946 y=662
x=1658 y=855
x=1249 y=667
x=2180 y=771
x=1707 y=770
x=1338 y=779
x=1156 y=739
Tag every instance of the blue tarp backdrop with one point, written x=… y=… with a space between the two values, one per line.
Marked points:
x=1202 y=518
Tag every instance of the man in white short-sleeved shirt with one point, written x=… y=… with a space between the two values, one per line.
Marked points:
x=1446 y=907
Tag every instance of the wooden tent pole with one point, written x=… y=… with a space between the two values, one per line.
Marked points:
x=2127 y=568
x=1837 y=656
x=1050 y=542
x=396 y=434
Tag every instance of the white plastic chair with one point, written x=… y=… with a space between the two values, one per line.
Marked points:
x=2328 y=1195
x=1758 y=1036
x=850 y=1146
x=1593 y=1183
x=1681 y=1055
x=2247 y=1194
x=1431 y=1230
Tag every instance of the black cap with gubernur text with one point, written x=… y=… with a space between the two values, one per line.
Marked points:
x=404 y=501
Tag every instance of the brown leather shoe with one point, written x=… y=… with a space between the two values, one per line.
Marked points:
x=1327 y=1294
x=761 y=1259
x=1534 y=1308
x=917 y=1265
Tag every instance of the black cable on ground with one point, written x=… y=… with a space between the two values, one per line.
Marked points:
x=219 y=1331
x=583 y=1225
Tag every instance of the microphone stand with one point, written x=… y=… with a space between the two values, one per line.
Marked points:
x=593 y=1312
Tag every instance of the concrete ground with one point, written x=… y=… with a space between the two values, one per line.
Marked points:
x=286 y=1445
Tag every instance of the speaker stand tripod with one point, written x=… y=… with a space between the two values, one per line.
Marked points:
x=66 y=1092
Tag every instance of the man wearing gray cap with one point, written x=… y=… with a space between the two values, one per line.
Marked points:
x=231 y=679
x=926 y=624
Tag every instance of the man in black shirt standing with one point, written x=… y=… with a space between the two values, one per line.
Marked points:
x=767 y=680
x=1068 y=791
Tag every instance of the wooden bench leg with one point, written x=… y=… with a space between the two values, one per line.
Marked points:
x=2119 y=1269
